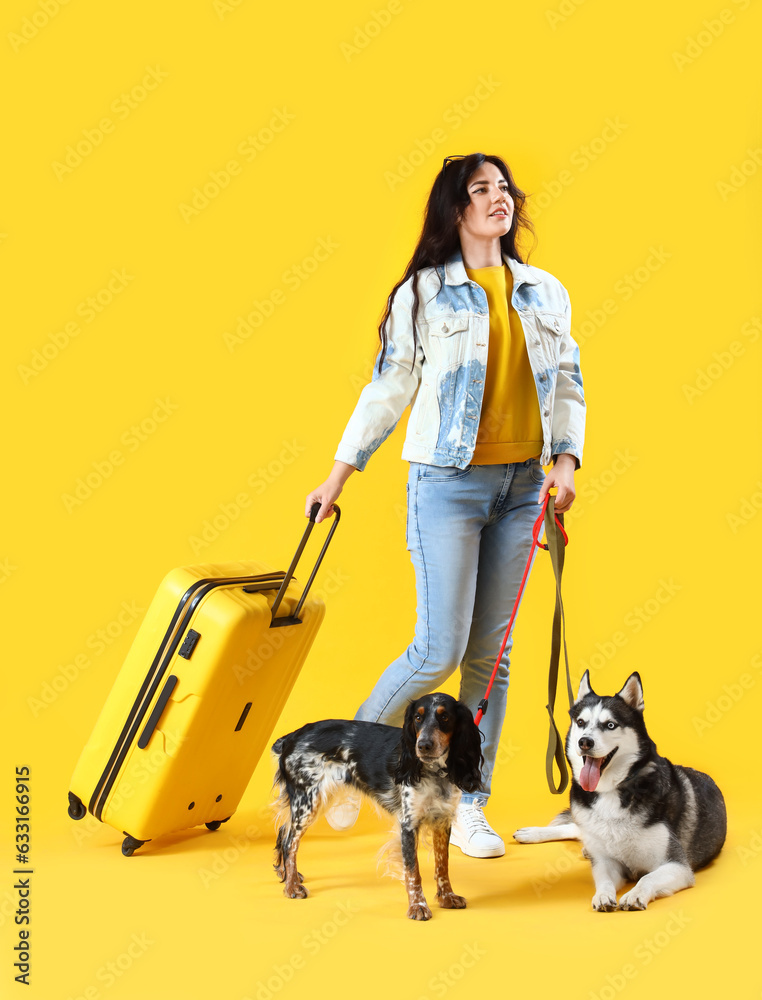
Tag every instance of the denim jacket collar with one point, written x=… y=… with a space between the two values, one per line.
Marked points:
x=455 y=270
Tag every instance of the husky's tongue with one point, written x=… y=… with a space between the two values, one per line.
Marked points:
x=591 y=773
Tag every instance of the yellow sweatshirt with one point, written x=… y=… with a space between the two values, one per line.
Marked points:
x=509 y=428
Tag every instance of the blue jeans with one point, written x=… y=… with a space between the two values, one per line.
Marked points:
x=469 y=533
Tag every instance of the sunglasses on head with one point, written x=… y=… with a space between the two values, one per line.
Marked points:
x=447 y=159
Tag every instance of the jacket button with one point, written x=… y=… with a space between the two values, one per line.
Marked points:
x=444 y=328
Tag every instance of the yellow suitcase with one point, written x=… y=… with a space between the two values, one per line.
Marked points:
x=197 y=698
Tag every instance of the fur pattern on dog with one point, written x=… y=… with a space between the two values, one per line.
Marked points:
x=415 y=773
x=640 y=818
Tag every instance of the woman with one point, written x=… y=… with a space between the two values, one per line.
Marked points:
x=480 y=343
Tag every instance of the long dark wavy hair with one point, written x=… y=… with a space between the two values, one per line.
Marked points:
x=440 y=238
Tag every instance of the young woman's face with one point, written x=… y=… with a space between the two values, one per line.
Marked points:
x=490 y=212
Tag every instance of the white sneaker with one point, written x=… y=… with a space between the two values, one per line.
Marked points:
x=344 y=812
x=472 y=833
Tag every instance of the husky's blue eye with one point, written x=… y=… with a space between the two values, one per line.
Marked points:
x=611 y=725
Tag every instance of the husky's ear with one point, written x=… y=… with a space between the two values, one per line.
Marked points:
x=632 y=692
x=584 y=686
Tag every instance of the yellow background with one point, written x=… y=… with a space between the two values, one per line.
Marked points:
x=651 y=223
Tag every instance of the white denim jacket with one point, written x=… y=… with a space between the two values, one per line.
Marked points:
x=445 y=380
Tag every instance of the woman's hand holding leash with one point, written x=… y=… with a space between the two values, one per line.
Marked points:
x=329 y=491
x=562 y=476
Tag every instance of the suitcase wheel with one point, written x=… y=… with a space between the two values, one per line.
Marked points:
x=130 y=845
x=216 y=823
x=77 y=808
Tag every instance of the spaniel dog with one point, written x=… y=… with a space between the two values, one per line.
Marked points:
x=415 y=773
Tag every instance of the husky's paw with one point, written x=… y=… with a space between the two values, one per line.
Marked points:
x=419 y=911
x=604 y=902
x=528 y=835
x=633 y=900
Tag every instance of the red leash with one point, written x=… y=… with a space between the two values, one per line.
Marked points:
x=536 y=532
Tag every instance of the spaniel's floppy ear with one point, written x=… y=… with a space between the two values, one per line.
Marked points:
x=409 y=767
x=464 y=760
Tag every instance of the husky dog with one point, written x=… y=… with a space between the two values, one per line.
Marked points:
x=639 y=817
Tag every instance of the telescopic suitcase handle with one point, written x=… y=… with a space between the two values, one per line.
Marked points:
x=294 y=619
